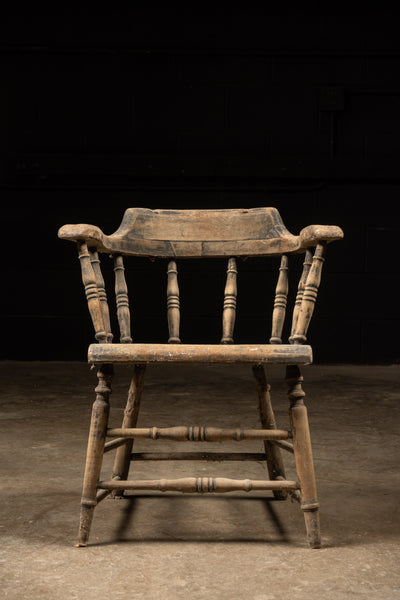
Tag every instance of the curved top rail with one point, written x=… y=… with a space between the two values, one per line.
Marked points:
x=201 y=233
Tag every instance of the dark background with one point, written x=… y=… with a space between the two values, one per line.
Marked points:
x=191 y=109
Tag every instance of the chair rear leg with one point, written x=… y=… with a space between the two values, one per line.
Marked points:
x=123 y=454
x=276 y=468
x=95 y=451
x=303 y=455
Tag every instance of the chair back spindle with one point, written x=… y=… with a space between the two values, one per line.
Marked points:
x=173 y=303
x=122 y=301
x=309 y=295
x=90 y=283
x=281 y=292
x=229 y=308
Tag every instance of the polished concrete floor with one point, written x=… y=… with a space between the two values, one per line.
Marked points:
x=230 y=546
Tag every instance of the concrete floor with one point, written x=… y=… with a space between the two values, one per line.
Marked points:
x=231 y=546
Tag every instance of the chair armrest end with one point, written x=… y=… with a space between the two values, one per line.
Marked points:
x=314 y=234
x=91 y=234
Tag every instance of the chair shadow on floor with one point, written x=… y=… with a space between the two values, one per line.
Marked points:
x=179 y=520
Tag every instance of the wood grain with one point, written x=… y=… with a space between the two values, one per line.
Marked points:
x=229 y=307
x=201 y=233
x=93 y=297
x=200 y=485
x=173 y=303
x=200 y=353
x=122 y=300
x=281 y=292
x=309 y=296
x=198 y=434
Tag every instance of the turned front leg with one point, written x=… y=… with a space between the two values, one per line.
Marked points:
x=303 y=455
x=95 y=451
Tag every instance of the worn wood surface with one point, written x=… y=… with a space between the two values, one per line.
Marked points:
x=198 y=433
x=101 y=291
x=200 y=353
x=303 y=454
x=201 y=233
x=300 y=291
x=200 y=485
x=114 y=444
x=122 y=300
x=309 y=295
x=281 y=292
x=131 y=414
x=93 y=296
x=95 y=451
x=173 y=303
x=276 y=468
x=229 y=307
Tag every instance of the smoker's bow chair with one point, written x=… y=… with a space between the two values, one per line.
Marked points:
x=191 y=234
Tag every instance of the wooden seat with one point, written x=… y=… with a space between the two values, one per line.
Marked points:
x=200 y=353
x=194 y=234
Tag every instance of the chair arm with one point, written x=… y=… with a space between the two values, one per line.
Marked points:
x=314 y=234
x=91 y=234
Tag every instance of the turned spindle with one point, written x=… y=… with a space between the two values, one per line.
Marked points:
x=173 y=304
x=229 y=308
x=300 y=291
x=95 y=260
x=182 y=433
x=122 y=300
x=281 y=292
x=93 y=296
x=200 y=485
x=309 y=295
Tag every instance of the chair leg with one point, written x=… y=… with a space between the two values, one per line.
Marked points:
x=276 y=468
x=95 y=451
x=303 y=455
x=123 y=454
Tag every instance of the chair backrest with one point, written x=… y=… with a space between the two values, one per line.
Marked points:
x=184 y=234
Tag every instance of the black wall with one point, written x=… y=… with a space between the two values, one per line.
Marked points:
x=200 y=111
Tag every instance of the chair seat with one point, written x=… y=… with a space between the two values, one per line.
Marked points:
x=294 y=354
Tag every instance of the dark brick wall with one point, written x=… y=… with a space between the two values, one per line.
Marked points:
x=238 y=110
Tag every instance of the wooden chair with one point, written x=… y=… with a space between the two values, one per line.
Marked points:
x=195 y=234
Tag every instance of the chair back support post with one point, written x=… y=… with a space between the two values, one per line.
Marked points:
x=95 y=294
x=229 y=308
x=122 y=301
